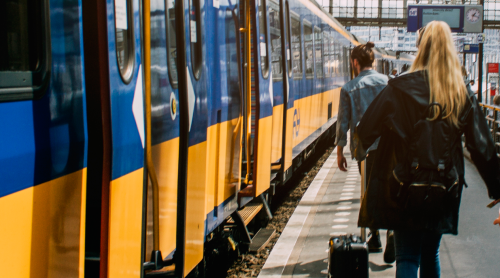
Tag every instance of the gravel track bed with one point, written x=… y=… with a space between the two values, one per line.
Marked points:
x=250 y=265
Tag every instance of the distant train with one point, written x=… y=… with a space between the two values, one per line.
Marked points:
x=140 y=136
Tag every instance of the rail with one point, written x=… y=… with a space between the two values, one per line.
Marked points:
x=492 y=113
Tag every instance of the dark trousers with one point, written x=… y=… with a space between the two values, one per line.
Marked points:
x=414 y=250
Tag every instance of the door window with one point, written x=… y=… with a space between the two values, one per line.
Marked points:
x=124 y=36
x=195 y=37
x=296 y=48
x=171 y=42
x=263 y=38
x=308 y=45
x=275 y=30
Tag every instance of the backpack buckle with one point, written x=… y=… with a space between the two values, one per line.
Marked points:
x=414 y=165
x=441 y=167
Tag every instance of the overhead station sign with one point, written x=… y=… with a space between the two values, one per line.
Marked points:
x=460 y=18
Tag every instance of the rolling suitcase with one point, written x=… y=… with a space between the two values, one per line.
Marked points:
x=347 y=257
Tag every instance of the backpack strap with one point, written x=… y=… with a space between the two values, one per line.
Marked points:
x=440 y=114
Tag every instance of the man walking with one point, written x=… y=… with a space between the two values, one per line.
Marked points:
x=355 y=97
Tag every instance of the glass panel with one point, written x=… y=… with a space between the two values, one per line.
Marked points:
x=195 y=31
x=263 y=37
x=288 y=38
x=326 y=42
x=296 y=51
x=19 y=43
x=318 y=43
x=308 y=44
x=332 y=57
x=124 y=37
x=171 y=43
x=274 y=25
x=233 y=91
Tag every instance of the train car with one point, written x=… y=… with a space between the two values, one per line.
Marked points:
x=43 y=146
x=143 y=137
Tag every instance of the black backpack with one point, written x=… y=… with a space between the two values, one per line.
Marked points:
x=428 y=179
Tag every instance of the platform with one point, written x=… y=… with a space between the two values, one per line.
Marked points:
x=330 y=206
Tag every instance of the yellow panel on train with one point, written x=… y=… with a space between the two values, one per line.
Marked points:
x=125 y=225
x=45 y=225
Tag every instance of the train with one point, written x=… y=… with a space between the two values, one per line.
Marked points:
x=138 y=136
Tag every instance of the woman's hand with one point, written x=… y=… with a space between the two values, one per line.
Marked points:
x=497 y=221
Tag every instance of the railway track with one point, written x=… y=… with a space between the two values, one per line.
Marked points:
x=283 y=206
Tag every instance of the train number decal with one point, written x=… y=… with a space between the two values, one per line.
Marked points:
x=296 y=122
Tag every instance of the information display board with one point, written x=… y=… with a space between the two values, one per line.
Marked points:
x=451 y=16
x=460 y=18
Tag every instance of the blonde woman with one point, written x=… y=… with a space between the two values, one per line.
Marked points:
x=435 y=77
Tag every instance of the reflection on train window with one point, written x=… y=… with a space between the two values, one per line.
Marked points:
x=19 y=43
x=333 y=61
x=25 y=49
x=171 y=42
x=231 y=54
x=288 y=39
x=318 y=43
x=195 y=37
x=296 y=51
x=308 y=45
x=275 y=30
x=124 y=38
x=263 y=38
x=339 y=58
x=347 y=61
x=326 y=54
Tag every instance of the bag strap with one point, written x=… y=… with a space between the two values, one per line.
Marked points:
x=426 y=111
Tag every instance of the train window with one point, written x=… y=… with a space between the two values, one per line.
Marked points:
x=233 y=90
x=275 y=30
x=288 y=38
x=171 y=43
x=337 y=58
x=263 y=38
x=333 y=59
x=296 y=48
x=124 y=36
x=195 y=31
x=318 y=44
x=347 y=61
x=341 y=58
x=308 y=45
x=326 y=49
x=25 y=60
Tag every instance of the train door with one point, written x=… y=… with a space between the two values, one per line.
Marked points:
x=288 y=93
x=163 y=119
x=117 y=136
x=280 y=58
x=225 y=122
x=43 y=146
x=278 y=83
x=258 y=108
x=127 y=139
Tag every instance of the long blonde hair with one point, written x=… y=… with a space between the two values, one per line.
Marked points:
x=437 y=55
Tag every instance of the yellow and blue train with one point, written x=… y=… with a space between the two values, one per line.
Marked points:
x=136 y=133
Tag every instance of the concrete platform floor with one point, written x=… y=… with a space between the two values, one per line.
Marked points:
x=331 y=205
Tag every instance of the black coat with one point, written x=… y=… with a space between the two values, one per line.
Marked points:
x=392 y=116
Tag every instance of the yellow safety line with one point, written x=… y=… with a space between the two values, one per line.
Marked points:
x=149 y=159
